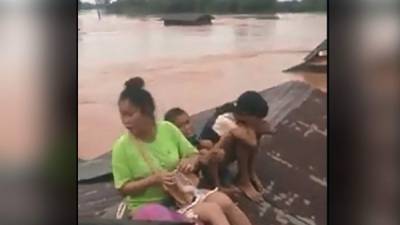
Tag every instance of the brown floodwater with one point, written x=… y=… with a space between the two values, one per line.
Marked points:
x=195 y=68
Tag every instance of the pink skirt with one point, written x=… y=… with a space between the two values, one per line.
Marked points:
x=158 y=212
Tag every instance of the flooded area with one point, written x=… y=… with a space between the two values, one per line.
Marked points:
x=195 y=68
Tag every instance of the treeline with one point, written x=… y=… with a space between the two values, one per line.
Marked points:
x=176 y=6
x=213 y=6
x=303 y=6
x=85 y=5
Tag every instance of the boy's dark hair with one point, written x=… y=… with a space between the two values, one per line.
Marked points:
x=225 y=108
x=171 y=114
x=249 y=103
x=134 y=92
x=252 y=103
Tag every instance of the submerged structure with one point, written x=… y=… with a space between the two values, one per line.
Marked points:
x=315 y=61
x=291 y=165
x=187 y=19
x=259 y=16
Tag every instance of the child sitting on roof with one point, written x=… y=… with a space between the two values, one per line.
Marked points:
x=237 y=128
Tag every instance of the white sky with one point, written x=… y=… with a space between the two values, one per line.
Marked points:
x=93 y=1
x=90 y=1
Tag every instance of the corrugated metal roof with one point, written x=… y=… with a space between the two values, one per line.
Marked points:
x=95 y=168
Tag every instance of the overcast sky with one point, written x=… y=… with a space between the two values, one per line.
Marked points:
x=93 y=1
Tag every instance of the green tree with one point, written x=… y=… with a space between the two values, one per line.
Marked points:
x=211 y=6
x=181 y=6
x=314 y=5
x=256 y=5
x=84 y=5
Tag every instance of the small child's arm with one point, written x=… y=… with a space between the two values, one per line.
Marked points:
x=224 y=140
x=265 y=128
x=205 y=144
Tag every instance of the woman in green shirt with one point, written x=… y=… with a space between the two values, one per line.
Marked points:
x=168 y=150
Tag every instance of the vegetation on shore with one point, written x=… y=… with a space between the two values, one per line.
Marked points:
x=141 y=7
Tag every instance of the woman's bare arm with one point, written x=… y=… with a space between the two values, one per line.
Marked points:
x=138 y=186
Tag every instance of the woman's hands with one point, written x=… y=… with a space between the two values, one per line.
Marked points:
x=164 y=178
x=188 y=165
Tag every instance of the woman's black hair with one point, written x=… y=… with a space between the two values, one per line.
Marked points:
x=134 y=92
x=249 y=103
x=173 y=113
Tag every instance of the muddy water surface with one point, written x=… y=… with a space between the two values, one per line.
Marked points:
x=195 y=68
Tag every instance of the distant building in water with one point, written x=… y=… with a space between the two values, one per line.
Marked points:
x=319 y=54
x=187 y=19
x=315 y=61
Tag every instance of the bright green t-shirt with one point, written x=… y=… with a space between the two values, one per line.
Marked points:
x=169 y=146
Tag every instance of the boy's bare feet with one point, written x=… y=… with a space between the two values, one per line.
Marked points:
x=230 y=190
x=255 y=180
x=250 y=192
